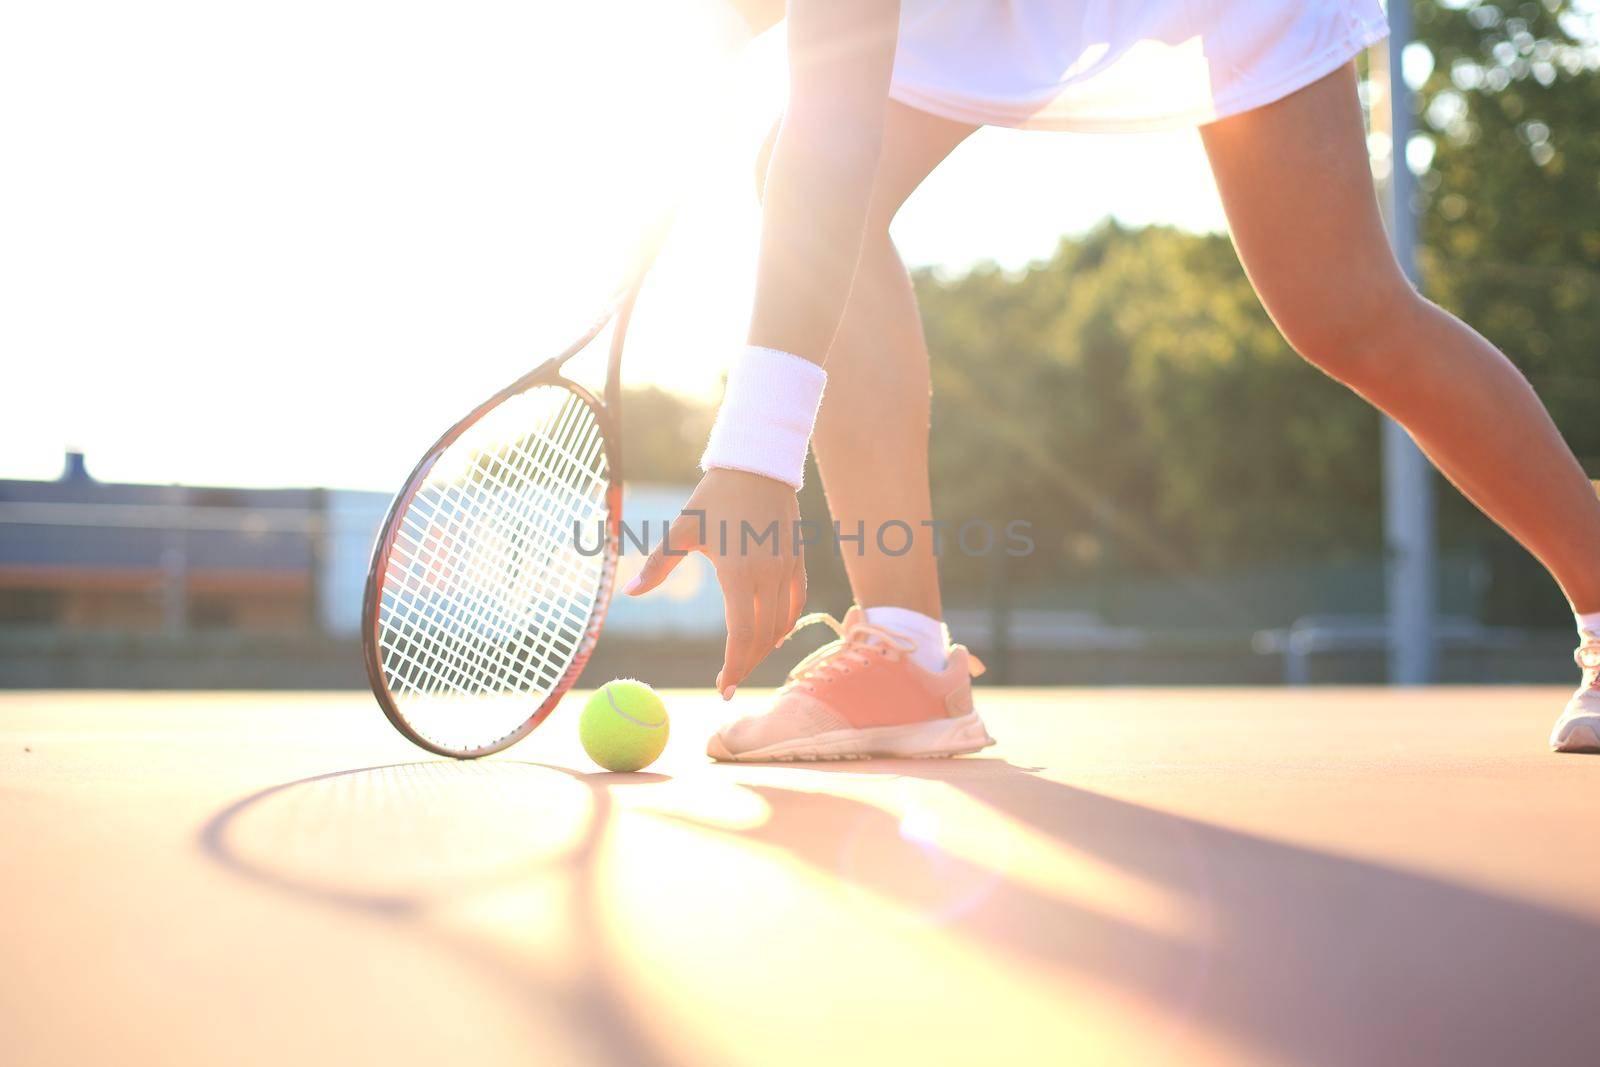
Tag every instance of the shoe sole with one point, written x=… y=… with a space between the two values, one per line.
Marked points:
x=938 y=739
x=1579 y=735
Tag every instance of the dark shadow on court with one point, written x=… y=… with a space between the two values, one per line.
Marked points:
x=1310 y=957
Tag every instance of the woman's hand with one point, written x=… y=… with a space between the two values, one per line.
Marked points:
x=745 y=524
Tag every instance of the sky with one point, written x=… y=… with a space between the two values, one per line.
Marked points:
x=289 y=244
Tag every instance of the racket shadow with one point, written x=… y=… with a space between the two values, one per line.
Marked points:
x=408 y=890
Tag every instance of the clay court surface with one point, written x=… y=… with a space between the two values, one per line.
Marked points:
x=1327 y=876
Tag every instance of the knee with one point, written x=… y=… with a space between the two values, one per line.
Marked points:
x=1361 y=338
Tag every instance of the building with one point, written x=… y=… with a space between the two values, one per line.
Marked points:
x=81 y=555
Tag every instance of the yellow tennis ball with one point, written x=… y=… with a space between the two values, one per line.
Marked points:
x=624 y=725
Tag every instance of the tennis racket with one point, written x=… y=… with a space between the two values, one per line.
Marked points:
x=493 y=568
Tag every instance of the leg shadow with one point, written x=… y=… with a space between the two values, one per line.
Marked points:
x=1311 y=957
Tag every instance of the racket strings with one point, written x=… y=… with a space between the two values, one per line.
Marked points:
x=488 y=654
x=480 y=572
x=487 y=597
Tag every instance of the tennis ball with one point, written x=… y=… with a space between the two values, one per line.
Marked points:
x=624 y=725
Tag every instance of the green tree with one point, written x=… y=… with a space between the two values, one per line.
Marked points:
x=1130 y=397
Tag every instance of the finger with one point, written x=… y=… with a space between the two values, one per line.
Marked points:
x=739 y=609
x=796 y=592
x=772 y=602
x=682 y=538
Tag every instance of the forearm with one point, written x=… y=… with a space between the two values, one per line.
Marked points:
x=813 y=217
x=819 y=183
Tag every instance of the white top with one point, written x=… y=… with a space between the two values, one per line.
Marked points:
x=1119 y=65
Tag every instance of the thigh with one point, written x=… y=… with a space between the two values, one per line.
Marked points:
x=1296 y=184
x=914 y=142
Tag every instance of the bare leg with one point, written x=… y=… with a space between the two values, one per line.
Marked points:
x=1295 y=183
x=871 y=443
x=871 y=438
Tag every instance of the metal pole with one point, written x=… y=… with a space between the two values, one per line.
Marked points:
x=1408 y=526
x=175 y=582
x=999 y=662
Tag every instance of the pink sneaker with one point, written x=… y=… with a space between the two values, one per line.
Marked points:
x=861 y=697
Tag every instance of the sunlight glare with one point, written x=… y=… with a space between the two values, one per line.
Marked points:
x=292 y=247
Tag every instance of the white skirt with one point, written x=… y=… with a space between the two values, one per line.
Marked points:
x=1119 y=65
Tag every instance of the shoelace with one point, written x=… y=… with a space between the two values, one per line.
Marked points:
x=852 y=645
x=1588 y=659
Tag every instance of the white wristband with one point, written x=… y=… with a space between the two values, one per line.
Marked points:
x=764 y=424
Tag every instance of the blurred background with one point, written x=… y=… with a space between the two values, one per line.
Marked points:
x=252 y=261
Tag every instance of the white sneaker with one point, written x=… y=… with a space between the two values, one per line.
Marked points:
x=1578 y=729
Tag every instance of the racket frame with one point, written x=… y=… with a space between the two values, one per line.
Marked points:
x=608 y=415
